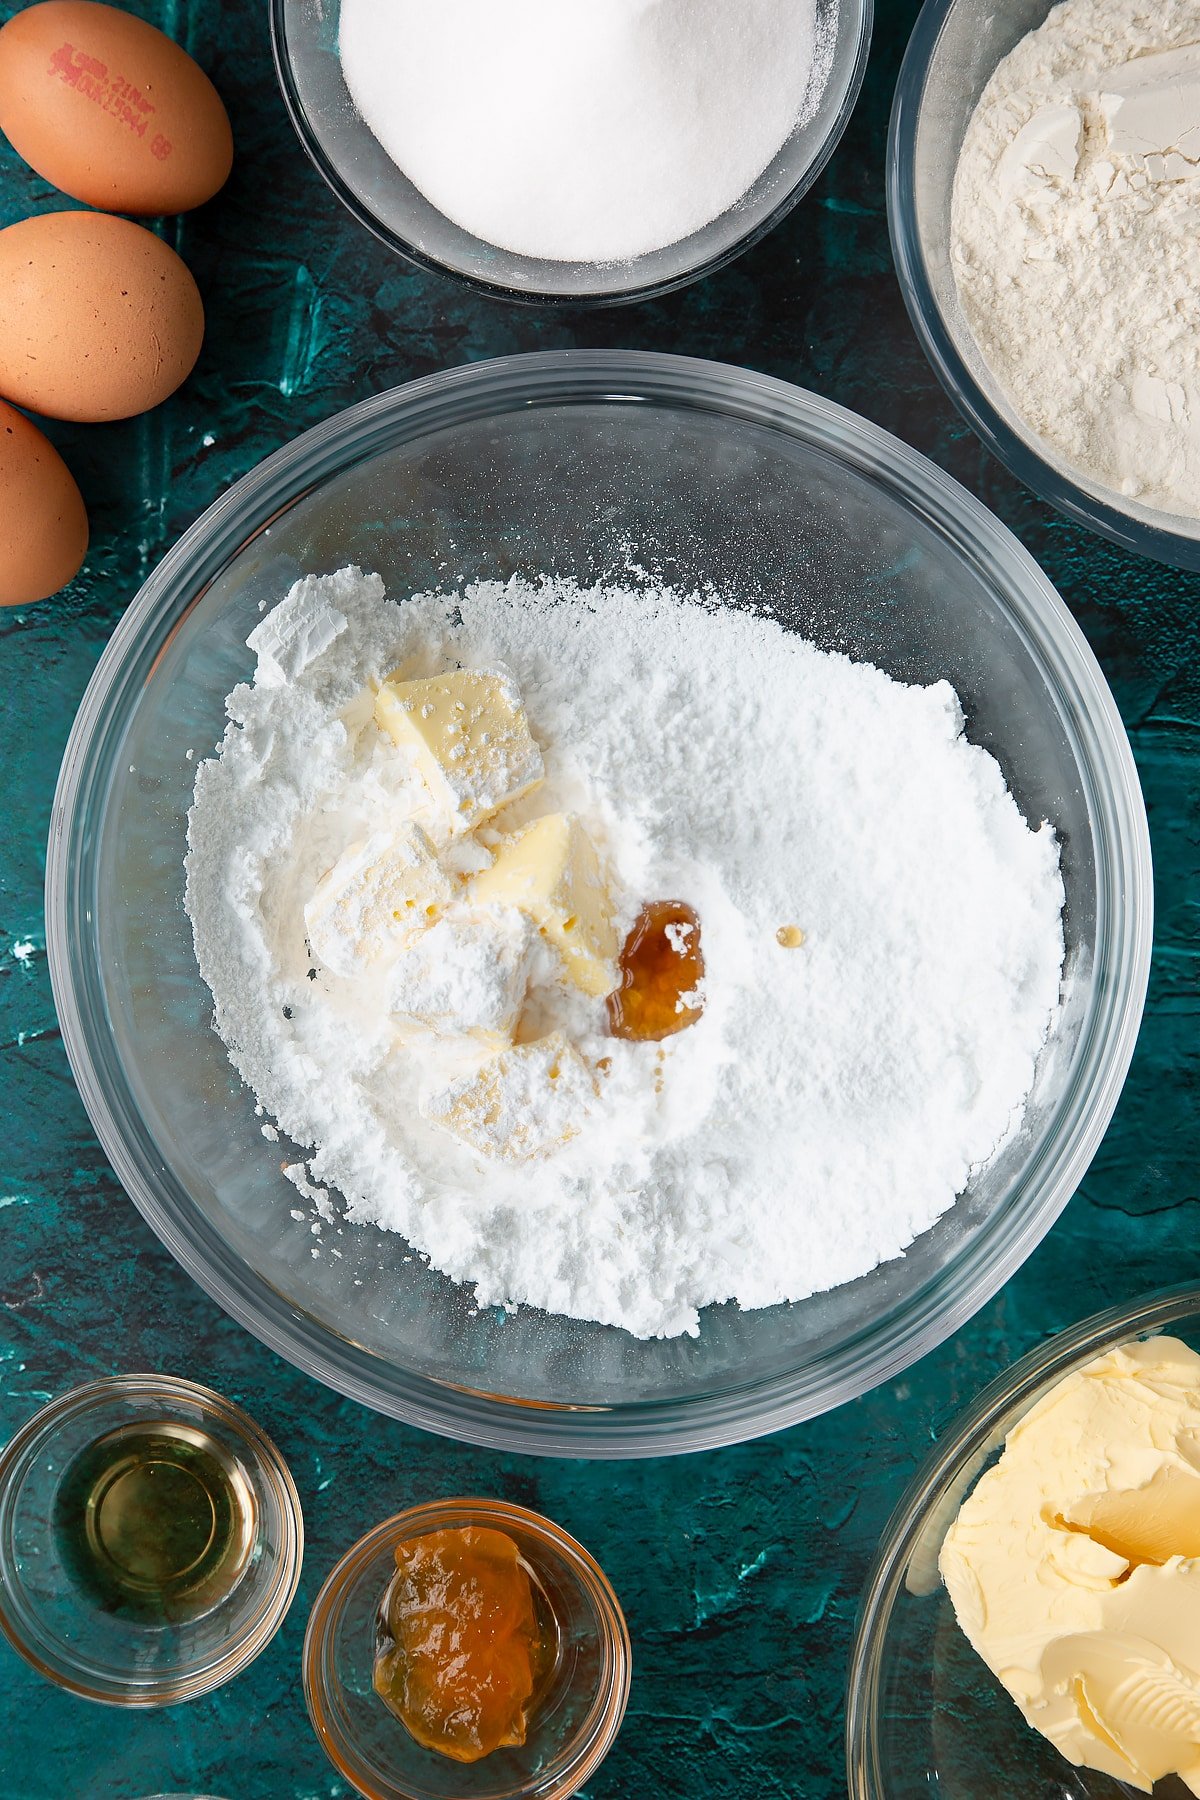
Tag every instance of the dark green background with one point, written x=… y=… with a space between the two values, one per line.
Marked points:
x=739 y=1570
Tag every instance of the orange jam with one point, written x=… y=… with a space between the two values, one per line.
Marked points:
x=461 y=1646
x=661 y=967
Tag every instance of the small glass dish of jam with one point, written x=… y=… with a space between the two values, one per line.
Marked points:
x=466 y=1650
x=150 y=1540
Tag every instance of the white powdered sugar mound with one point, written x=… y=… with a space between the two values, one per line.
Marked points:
x=1075 y=241
x=832 y=1099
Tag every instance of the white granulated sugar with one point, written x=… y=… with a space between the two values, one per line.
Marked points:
x=1075 y=241
x=832 y=1099
x=589 y=130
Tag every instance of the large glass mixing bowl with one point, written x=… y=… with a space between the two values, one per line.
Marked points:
x=578 y=464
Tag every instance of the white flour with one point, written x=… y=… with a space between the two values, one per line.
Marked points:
x=590 y=130
x=832 y=1099
x=1076 y=241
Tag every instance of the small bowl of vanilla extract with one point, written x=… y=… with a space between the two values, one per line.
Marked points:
x=150 y=1540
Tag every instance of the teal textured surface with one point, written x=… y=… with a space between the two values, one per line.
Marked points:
x=739 y=1570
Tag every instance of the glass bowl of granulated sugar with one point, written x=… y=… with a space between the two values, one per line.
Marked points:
x=781 y=669
x=1041 y=196
x=585 y=154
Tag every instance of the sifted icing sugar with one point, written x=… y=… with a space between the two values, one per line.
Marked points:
x=835 y=1094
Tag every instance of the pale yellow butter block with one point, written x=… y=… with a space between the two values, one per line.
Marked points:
x=465 y=975
x=377 y=897
x=1074 y=1564
x=551 y=871
x=526 y=1102
x=469 y=737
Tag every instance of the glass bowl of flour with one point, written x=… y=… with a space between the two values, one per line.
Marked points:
x=1042 y=188
x=706 y=585
x=552 y=154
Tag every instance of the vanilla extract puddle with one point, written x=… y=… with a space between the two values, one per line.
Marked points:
x=662 y=968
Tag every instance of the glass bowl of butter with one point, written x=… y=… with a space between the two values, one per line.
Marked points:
x=1031 y=1623
x=573 y=465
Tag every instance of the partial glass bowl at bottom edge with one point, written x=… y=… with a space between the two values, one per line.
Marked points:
x=578 y=465
x=925 y=1717
x=572 y=1724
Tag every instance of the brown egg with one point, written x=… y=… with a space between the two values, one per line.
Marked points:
x=99 y=319
x=110 y=110
x=43 y=527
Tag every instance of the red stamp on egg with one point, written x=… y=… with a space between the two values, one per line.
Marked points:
x=113 y=94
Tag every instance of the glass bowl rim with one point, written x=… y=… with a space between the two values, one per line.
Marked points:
x=1087 y=710
x=967 y=1436
x=1158 y=540
x=598 y=1731
x=314 y=148
x=271 y=1610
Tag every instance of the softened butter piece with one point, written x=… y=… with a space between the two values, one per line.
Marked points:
x=1074 y=1570
x=377 y=897
x=469 y=737
x=464 y=975
x=1151 y=108
x=551 y=871
x=524 y=1103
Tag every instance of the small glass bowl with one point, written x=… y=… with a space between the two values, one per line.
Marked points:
x=925 y=1717
x=572 y=1727
x=952 y=55
x=66 y=1631
x=304 y=35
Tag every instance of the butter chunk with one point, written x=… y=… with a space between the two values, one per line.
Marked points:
x=524 y=1103
x=465 y=975
x=469 y=737
x=377 y=897
x=551 y=871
